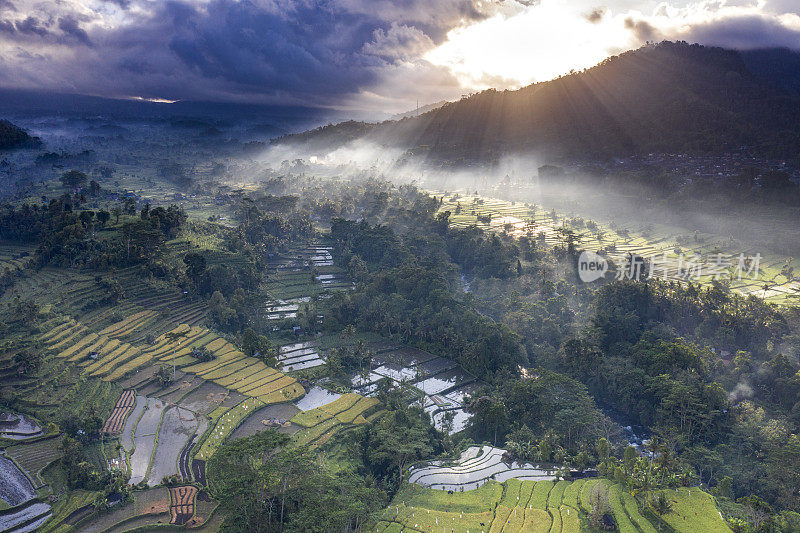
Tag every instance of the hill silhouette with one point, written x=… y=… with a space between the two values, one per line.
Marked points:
x=12 y=136
x=665 y=97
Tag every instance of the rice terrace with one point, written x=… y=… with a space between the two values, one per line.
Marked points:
x=406 y=267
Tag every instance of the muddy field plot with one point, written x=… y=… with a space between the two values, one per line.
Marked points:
x=144 y=438
x=205 y=398
x=152 y=389
x=204 y=508
x=177 y=427
x=126 y=436
x=267 y=417
x=101 y=523
x=233 y=399
x=181 y=388
x=152 y=501
x=184 y=466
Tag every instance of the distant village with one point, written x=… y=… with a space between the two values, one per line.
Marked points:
x=699 y=166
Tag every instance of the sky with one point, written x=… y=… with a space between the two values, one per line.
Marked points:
x=369 y=56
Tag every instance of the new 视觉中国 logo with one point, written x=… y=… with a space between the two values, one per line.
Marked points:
x=591 y=266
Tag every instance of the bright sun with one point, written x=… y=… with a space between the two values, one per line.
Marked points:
x=537 y=44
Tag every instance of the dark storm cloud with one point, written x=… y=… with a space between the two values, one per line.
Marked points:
x=641 y=29
x=262 y=50
x=124 y=4
x=32 y=25
x=72 y=31
x=251 y=47
x=744 y=33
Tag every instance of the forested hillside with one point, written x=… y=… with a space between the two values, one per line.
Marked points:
x=12 y=136
x=667 y=97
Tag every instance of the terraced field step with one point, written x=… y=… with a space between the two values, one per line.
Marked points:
x=476 y=467
x=130 y=324
x=35 y=456
x=182 y=504
x=123 y=407
x=24 y=518
x=640 y=240
x=541 y=506
x=322 y=423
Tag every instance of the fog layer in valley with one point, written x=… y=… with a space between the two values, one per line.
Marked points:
x=645 y=197
x=673 y=194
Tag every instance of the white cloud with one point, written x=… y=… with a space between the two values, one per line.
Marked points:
x=553 y=37
x=380 y=55
x=539 y=43
x=399 y=42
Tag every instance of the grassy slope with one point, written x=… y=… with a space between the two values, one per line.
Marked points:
x=643 y=241
x=542 y=506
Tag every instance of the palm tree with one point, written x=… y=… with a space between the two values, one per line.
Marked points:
x=570 y=238
x=360 y=352
x=348 y=331
x=660 y=503
x=173 y=336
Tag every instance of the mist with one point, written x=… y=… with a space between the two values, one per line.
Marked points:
x=237 y=151
x=639 y=201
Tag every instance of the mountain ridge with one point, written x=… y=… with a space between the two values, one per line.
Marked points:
x=664 y=97
x=12 y=137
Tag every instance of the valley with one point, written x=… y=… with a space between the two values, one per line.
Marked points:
x=569 y=306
